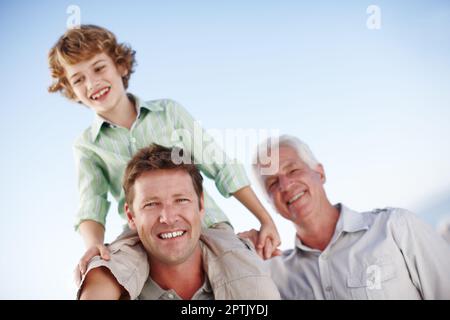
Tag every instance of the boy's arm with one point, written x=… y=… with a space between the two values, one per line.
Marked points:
x=93 y=234
x=229 y=176
x=93 y=207
x=252 y=236
x=268 y=237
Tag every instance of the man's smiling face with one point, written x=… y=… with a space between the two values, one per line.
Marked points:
x=167 y=213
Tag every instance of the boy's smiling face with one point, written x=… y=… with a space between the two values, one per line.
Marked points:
x=97 y=83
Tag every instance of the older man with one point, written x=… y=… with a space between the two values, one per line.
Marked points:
x=343 y=254
x=164 y=204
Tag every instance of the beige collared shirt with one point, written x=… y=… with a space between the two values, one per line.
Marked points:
x=152 y=291
x=381 y=254
x=233 y=269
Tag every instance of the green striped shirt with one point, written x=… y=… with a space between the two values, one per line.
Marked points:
x=104 y=149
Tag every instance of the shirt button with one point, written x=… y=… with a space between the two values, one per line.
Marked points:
x=325 y=256
x=170 y=295
x=328 y=289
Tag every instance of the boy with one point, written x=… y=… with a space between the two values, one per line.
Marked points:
x=89 y=66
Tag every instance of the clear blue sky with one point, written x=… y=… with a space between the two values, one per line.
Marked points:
x=374 y=105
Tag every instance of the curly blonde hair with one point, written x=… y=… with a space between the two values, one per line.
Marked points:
x=80 y=44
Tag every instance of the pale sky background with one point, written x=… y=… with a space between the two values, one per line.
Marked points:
x=374 y=106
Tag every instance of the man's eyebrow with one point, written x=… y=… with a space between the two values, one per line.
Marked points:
x=286 y=166
x=289 y=165
x=181 y=194
x=146 y=199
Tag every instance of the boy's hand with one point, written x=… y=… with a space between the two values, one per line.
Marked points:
x=251 y=235
x=254 y=235
x=268 y=240
x=95 y=250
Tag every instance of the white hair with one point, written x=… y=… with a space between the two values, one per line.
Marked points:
x=266 y=147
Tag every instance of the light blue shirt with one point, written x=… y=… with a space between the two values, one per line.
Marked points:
x=381 y=254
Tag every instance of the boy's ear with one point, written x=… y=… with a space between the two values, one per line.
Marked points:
x=130 y=217
x=122 y=70
x=75 y=98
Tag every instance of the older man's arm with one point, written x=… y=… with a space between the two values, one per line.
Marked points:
x=426 y=254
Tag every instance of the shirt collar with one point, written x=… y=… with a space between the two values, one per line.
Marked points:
x=154 y=292
x=348 y=221
x=300 y=246
x=139 y=104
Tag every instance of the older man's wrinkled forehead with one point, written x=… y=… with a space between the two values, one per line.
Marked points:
x=286 y=157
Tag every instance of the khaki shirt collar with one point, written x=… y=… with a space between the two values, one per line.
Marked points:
x=154 y=292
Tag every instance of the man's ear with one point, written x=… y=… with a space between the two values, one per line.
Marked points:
x=130 y=217
x=202 y=205
x=321 y=171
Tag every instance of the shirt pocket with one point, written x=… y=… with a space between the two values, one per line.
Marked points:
x=369 y=280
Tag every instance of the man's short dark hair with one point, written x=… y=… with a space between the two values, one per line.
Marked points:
x=156 y=157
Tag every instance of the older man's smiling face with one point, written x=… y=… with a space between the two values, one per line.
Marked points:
x=296 y=189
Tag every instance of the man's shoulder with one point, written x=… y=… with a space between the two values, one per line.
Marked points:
x=278 y=261
x=394 y=212
x=220 y=239
x=388 y=212
x=234 y=270
x=391 y=216
x=287 y=253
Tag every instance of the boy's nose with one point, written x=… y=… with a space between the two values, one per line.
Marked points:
x=91 y=83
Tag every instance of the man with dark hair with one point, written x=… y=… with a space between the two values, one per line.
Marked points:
x=165 y=206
